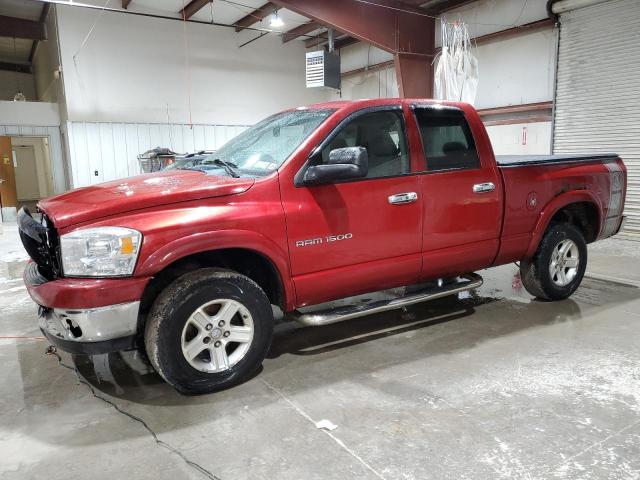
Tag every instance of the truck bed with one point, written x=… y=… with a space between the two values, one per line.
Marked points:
x=530 y=160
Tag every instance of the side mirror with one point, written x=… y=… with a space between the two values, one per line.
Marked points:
x=344 y=164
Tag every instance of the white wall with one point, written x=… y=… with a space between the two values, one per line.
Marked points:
x=128 y=90
x=29 y=113
x=132 y=67
x=521 y=138
x=516 y=70
x=111 y=149
x=377 y=83
x=360 y=55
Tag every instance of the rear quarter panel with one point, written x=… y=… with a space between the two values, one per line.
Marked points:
x=533 y=194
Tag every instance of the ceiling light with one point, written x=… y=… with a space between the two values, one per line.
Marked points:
x=276 y=21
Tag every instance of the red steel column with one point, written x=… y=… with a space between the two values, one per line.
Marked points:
x=390 y=25
x=414 y=75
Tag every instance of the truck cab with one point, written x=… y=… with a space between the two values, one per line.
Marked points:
x=407 y=219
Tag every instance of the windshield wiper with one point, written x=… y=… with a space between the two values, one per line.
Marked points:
x=229 y=167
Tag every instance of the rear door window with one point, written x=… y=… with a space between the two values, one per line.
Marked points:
x=446 y=140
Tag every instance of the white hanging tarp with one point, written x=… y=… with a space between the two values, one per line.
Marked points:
x=456 y=72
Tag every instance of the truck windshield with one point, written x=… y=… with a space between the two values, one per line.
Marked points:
x=261 y=149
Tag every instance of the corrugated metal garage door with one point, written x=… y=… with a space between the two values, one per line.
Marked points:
x=598 y=90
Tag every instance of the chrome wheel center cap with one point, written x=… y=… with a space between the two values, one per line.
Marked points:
x=216 y=333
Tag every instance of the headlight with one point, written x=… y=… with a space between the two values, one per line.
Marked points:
x=100 y=252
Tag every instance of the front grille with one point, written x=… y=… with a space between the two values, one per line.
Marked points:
x=40 y=240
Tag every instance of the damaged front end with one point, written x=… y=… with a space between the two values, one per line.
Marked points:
x=40 y=240
x=82 y=316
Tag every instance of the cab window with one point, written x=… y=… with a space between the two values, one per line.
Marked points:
x=383 y=135
x=446 y=140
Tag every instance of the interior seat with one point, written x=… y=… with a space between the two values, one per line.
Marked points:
x=384 y=156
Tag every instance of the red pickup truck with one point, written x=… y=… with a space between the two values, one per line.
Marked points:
x=309 y=206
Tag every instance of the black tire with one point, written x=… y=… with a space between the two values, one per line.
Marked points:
x=172 y=309
x=535 y=273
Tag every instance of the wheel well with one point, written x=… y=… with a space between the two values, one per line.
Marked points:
x=246 y=262
x=584 y=216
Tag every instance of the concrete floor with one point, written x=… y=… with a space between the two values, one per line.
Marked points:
x=488 y=386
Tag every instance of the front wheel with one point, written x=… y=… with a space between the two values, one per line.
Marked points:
x=208 y=330
x=557 y=268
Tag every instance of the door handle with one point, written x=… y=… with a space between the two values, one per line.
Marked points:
x=484 y=187
x=402 y=198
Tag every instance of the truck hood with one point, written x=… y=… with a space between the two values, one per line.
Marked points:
x=135 y=193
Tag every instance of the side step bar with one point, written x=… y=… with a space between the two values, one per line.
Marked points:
x=393 y=299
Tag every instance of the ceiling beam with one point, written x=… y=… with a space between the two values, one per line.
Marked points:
x=16 y=67
x=323 y=39
x=369 y=68
x=522 y=108
x=193 y=7
x=531 y=27
x=316 y=41
x=345 y=42
x=20 y=28
x=518 y=120
x=433 y=7
x=125 y=3
x=254 y=17
x=43 y=18
x=300 y=30
x=436 y=7
x=390 y=25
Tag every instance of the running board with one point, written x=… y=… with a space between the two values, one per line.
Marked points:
x=392 y=299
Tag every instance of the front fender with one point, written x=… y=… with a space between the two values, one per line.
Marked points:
x=553 y=207
x=218 y=240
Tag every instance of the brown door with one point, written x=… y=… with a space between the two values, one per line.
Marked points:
x=8 y=194
x=26 y=172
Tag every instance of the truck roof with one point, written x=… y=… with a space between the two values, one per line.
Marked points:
x=373 y=102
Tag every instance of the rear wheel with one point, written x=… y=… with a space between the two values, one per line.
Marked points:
x=557 y=268
x=208 y=330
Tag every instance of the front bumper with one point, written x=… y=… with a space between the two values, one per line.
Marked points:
x=93 y=331
x=82 y=293
x=87 y=316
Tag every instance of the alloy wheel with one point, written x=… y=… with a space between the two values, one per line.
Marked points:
x=217 y=335
x=565 y=260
